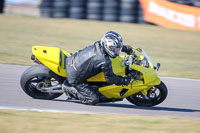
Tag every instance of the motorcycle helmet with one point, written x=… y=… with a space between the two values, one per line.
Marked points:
x=113 y=43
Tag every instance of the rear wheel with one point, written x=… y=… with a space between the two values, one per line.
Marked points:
x=155 y=96
x=39 y=76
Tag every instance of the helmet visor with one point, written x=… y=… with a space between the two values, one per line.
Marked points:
x=117 y=51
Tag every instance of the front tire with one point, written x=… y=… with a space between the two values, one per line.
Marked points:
x=35 y=75
x=155 y=96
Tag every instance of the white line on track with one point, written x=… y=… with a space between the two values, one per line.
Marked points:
x=60 y=111
x=45 y=110
x=179 y=78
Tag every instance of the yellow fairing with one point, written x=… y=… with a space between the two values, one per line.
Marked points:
x=51 y=57
x=150 y=79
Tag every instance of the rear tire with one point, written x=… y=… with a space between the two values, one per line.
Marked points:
x=156 y=95
x=36 y=74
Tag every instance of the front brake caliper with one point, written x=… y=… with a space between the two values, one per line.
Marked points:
x=144 y=92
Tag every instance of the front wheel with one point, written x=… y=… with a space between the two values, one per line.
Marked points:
x=39 y=75
x=155 y=96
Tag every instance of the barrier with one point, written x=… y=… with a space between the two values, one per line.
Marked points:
x=171 y=15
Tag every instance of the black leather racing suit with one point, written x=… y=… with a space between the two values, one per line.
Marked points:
x=87 y=63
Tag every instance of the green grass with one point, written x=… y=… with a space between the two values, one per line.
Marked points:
x=42 y=122
x=176 y=50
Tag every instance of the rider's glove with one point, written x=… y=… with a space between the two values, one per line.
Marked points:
x=126 y=81
x=129 y=50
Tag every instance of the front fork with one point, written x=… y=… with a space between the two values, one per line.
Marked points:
x=144 y=93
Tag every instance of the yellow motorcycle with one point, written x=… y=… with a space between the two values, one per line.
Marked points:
x=44 y=81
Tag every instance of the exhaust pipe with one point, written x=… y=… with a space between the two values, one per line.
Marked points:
x=52 y=89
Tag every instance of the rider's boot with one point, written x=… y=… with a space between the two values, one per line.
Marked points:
x=70 y=91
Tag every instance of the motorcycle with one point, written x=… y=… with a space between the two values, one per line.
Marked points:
x=44 y=80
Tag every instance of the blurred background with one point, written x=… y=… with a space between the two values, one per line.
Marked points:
x=129 y=11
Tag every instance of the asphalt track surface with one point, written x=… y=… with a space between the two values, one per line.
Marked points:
x=183 y=98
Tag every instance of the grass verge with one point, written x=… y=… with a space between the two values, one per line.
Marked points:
x=176 y=50
x=12 y=121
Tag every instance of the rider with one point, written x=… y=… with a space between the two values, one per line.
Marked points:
x=91 y=61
